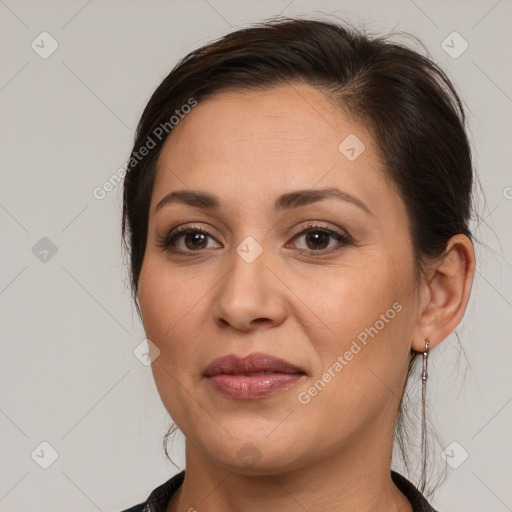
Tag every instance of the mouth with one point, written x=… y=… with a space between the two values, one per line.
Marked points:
x=250 y=365
x=251 y=377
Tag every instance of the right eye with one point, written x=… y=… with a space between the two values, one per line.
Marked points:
x=185 y=239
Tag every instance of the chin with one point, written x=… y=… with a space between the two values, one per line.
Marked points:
x=256 y=454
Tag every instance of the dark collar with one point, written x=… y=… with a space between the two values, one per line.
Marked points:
x=160 y=497
x=418 y=501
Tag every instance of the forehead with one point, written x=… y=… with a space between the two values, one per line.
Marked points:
x=289 y=123
x=275 y=139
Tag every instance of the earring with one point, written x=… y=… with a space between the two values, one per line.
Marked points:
x=424 y=374
x=424 y=377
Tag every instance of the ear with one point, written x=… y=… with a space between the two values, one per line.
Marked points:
x=445 y=293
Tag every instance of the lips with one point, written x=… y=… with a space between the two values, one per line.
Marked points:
x=252 y=377
x=249 y=365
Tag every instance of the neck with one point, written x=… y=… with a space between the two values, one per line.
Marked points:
x=354 y=479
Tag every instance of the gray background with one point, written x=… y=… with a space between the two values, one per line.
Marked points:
x=68 y=373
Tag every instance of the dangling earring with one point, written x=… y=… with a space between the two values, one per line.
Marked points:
x=424 y=373
x=424 y=377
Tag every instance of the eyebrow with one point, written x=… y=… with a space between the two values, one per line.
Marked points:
x=295 y=199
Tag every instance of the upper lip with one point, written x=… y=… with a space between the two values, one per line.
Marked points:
x=252 y=363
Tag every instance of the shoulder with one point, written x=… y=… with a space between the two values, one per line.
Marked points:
x=160 y=496
x=418 y=501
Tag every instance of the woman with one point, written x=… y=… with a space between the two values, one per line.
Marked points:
x=296 y=210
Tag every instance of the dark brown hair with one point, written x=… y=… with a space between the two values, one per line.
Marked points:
x=403 y=98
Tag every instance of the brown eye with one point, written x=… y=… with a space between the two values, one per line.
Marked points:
x=185 y=240
x=318 y=239
x=195 y=240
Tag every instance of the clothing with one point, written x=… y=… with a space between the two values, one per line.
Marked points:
x=160 y=497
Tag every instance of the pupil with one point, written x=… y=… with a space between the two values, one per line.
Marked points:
x=318 y=238
x=196 y=237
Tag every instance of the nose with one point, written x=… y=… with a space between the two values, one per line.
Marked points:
x=250 y=294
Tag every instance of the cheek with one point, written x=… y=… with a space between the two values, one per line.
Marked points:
x=353 y=298
x=165 y=298
x=366 y=318
x=172 y=303
x=156 y=305
x=170 y=306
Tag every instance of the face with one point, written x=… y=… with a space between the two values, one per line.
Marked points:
x=303 y=254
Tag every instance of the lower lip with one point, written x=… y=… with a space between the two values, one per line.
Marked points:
x=250 y=387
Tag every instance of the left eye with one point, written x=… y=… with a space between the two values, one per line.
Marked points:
x=318 y=240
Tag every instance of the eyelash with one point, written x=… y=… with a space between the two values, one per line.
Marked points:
x=166 y=242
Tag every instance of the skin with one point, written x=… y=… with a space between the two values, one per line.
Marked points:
x=333 y=453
